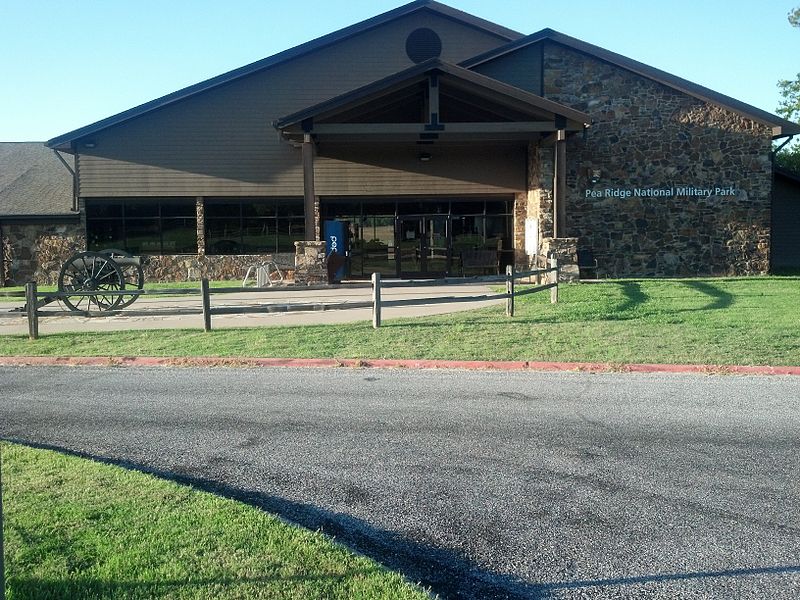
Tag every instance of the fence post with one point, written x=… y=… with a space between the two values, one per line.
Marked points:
x=206 y=304
x=376 y=300
x=509 y=290
x=30 y=307
x=554 y=279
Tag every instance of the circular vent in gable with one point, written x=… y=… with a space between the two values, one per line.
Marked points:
x=423 y=44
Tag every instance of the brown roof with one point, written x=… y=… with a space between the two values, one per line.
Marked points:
x=515 y=40
x=33 y=182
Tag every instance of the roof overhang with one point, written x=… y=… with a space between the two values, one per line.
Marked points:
x=501 y=111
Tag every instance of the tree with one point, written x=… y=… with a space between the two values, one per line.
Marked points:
x=789 y=108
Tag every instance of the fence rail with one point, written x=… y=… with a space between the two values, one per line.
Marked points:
x=34 y=300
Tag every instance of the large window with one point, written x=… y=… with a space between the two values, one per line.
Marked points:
x=253 y=225
x=451 y=227
x=142 y=226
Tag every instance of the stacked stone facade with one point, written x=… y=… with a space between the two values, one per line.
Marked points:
x=646 y=135
x=219 y=268
x=310 y=264
x=36 y=251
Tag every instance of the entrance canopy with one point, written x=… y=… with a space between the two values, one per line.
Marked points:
x=430 y=102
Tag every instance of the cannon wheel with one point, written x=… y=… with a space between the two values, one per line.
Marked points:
x=89 y=272
x=131 y=272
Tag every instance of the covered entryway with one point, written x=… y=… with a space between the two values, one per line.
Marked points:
x=459 y=132
x=424 y=237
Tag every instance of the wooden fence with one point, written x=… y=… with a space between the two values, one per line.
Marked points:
x=35 y=300
x=510 y=279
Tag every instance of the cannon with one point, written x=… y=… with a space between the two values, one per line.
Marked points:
x=109 y=270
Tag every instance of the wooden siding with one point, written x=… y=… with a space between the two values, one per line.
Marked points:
x=522 y=69
x=222 y=142
x=785 y=224
x=397 y=170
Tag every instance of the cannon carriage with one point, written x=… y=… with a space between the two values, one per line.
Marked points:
x=106 y=272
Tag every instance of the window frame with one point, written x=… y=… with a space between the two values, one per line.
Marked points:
x=286 y=211
x=125 y=218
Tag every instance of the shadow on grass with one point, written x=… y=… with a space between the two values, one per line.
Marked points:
x=446 y=571
x=719 y=298
x=632 y=293
x=32 y=588
x=634 y=297
x=24 y=588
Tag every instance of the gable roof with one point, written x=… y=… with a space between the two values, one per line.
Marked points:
x=781 y=127
x=33 y=182
x=63 y=142
x=421 y=71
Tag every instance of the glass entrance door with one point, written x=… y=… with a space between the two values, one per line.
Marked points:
x=423 y=246
x=437 y=246
x=410 y=240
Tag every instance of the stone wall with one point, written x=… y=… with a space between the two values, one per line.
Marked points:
x=310 y=264
x=220 y=268
x=565 y=250
x=36 y=250
x=646 y=135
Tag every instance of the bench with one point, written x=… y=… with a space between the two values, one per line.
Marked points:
x=480 y=259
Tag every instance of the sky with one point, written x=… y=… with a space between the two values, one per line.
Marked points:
x=68 y=64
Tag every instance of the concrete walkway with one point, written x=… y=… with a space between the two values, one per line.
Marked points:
x=155 y=307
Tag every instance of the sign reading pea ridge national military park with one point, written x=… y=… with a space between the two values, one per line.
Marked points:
x=686 y=191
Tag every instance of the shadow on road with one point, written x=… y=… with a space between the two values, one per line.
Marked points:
x=445 y=571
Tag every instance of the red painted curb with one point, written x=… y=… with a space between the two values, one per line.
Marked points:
x=148 y=361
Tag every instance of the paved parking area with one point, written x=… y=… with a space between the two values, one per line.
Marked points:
x=15 y=323
x=480 y=484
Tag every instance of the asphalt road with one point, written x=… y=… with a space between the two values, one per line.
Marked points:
x=479 y=484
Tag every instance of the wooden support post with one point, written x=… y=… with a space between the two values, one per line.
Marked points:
x=560 y=186
x=554 y=279
x=206 y=304
x=509 y=291
x=30 y=308
x=376 y=300
x=309 y=195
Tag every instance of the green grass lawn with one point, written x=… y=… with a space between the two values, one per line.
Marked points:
x=746 y=321
x=80 y=529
